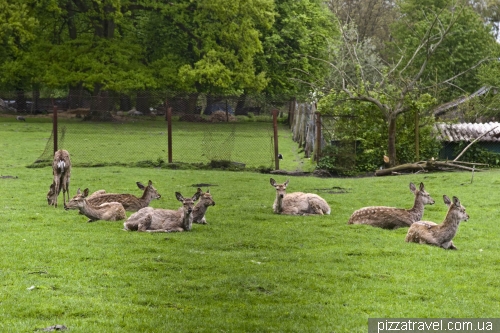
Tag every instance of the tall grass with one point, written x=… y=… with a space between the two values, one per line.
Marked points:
x=248 y=270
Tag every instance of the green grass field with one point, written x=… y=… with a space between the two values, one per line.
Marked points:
x=248 y=270
x=143 y=141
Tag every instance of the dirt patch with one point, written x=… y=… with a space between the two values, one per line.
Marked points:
x=334 y=190
x=203 y=185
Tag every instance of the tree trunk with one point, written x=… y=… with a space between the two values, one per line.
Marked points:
x=99 y=105
x=142 y=102
x=75 y=96
x=35 y=106
x=391 y=144
x=20 y=100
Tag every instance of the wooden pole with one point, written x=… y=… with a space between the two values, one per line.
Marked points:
x=417 y=136
x=169 y=133
x=318 y=137
x=275 y=128
x=54 y=127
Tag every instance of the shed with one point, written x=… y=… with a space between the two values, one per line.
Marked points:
x=451 y=135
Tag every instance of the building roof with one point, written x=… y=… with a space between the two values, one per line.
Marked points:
x=468 y=132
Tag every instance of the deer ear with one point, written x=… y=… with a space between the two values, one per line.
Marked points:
x=286 y=183
x=208 y=190
x=196 y=196
x=179 y=196
x=421 y=186
x=413 y=188
x=85 y=192
x=273 y=182
x=150 y=183
x=446 y=200
x=456 y=202
x=78 y=191
x=139 y=185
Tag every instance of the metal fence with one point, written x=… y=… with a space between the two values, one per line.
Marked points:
x=131 y=129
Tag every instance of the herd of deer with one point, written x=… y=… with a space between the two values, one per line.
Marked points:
x=112 y=207
x=423 y=232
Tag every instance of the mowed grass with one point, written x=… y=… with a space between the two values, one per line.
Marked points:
x=248 y=270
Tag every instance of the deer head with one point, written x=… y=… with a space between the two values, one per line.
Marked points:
x=188 y=203
x=149 y=191
x=455 y=209
x=280 y=188
x=78 y=201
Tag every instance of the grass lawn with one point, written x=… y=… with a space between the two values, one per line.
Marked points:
x=248 y=270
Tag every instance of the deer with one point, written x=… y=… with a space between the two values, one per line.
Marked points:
x=61 y=170
x=298 y=203
x=441 y=235
x=201 y=207
x=149 y=219
x=108 y=211
x=393 y=218
x=130 y=202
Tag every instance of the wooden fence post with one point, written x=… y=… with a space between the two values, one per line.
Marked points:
x=318 y=137
x=169 y=132
x=275 y=128
x=54 y=127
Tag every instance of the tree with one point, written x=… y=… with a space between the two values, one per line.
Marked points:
x=17 y=32
x=303 y=30
x=396 y=82
x=372 y=18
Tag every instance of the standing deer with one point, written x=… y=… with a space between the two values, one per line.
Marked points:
x=164 y=220
x=393 y=218
x=108 y=211
x=427 y=232
x=201 y=207
x=298 y=203
x=130 y=202
x=61 y=169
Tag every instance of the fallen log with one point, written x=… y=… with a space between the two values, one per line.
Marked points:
x=432 y=165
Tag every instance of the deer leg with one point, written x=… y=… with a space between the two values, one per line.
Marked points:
x=146 y=224
x=316 y=208
x=449 y=246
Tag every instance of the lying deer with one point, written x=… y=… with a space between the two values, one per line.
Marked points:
x=164 y=220
x=61 y=170
x=393 y=218
x=201 y=207
x=427 y=232
x=130 y=202
x=108 y=211
x=298 y=203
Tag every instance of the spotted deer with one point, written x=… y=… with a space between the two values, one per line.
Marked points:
x=427 y=232
x=393 y=218
x=130 y=202
x=298 y=203
x=108 y=211
x=61 y=170
x=201 y=207
x=149 y=219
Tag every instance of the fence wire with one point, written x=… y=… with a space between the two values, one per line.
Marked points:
x=131 y=129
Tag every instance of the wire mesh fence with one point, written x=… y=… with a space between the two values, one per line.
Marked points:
x=131 y=129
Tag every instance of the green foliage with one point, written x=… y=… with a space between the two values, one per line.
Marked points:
x=362 y=129
x=470 y=42
x=297 y=46
x=477 y=154
x=217 y=47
